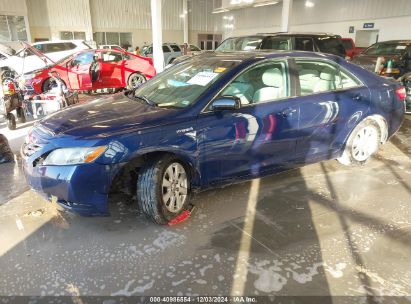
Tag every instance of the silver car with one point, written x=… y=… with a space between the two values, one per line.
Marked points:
x=171 y=52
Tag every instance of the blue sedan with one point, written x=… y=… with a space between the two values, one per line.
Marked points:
x=208 y=122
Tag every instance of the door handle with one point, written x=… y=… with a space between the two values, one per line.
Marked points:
x=287 y=112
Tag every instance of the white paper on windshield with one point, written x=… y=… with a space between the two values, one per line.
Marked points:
x=202 y=78
x=401 y=47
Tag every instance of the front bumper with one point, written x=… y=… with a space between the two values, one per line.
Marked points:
x=82 y=189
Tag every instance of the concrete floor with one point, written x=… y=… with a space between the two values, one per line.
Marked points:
x=324 y=229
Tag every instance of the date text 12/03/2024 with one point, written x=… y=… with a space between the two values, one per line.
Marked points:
x=203 y=299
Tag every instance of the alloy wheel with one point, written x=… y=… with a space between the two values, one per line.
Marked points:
x=174 y=187
x=365 y=143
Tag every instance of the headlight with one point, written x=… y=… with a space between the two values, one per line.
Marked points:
x=73 y=156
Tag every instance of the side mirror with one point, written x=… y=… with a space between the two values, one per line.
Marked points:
x=226 y=103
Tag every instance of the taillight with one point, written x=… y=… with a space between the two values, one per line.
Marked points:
x=401 y=93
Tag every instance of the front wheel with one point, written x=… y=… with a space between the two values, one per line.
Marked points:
x=163 y=189
x=135 y=80
x=363 y=142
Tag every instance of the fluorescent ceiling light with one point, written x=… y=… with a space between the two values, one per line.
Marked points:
x=220 y=10
x=308 y=3
x=265 y=3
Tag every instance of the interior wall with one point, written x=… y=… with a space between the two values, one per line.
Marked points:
x=13 y=7
x=389 y=28
x=392 y=18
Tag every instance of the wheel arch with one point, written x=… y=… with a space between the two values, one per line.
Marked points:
x=124 y=180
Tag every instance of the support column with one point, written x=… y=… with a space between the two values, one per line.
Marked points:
x=157 y=27
x=286 y=14
x=185 y=21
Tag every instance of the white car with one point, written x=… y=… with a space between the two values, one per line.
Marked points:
x=23 y=58
x=112 y=47
x=56 y=50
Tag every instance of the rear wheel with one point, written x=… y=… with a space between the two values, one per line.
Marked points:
x=363 y=142
x=11 y=121
x=21 y=115
x=163 y=189
x=135 y=80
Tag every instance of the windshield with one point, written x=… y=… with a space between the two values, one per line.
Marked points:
x=240 y=44
x=386 y=49
x=181 y=85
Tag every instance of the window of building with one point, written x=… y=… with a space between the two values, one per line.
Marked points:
x=68 y=35
x=122 y=39
x=12 y=28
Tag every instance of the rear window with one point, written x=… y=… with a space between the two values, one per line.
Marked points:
x=331 y=45
x=386 y=49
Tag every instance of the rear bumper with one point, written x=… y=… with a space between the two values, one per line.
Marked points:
x=82 y=189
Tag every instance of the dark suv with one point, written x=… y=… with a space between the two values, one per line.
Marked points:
x=398 y=51
x=312 y=42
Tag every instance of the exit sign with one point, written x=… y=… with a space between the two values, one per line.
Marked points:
x=368 y=25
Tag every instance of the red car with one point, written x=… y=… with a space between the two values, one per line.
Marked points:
x=93 y=70
x=350 y=49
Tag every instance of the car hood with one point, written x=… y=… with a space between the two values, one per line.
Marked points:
x=369 y=61
x=105 y=117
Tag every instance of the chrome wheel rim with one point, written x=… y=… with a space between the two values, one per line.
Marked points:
x=136 y=80
x=365 y=143
x=174 y=187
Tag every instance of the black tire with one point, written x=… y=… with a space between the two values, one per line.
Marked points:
x=21 y=115
x=351 y=154
x=46 y=86
x=11 y=121
x=135 y=79
x=6 y=155
x=150 y=190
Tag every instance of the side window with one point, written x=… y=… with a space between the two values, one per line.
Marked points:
x=316 y=77
x=193 y=48
x=276 y=43
x=304 y=44
x=39 y=47
x=2 y=57
x=83 y=58
x=69 y=46
x=348 y=81
x=319 y=76
x=175 y=48
x=166 y=49
x=262 y=83
x=111 y=56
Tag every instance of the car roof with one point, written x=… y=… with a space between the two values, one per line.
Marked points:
x=395 y=41
x=263 y=54
x=262 y=35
